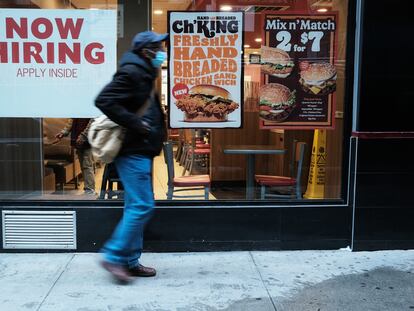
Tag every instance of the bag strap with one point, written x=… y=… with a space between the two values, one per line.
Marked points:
x=140 y=112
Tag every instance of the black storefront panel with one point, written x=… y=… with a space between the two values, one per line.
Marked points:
x=207 y=229
x=386 y=91
x=384 y=169
x=383 y=203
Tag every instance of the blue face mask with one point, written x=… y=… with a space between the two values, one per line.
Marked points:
x=160 y=57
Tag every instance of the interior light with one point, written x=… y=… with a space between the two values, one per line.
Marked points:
x=246 y=46
x=158 y=12
x=255 y=52
x=226 y=8
x=322 y=10
x=258 y=39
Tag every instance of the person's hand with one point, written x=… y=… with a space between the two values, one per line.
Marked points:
x=59 y=136
x=144 y=128
x=80 y=140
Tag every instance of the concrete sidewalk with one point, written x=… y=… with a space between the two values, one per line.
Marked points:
x=302 y=280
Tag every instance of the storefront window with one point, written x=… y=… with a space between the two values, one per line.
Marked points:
x=293 y=96
x=54 y=56
x=256 y=113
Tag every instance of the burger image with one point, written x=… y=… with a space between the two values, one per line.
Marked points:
x=318 y=78
x=276 y=62
x=276 y=102
x=206 y=103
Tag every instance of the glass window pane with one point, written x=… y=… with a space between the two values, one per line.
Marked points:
x=38 y=165
x=276 y=174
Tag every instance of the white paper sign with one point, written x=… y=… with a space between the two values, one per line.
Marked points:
x=53 y=63
x=205 y=69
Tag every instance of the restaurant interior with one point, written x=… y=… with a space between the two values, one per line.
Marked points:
x=200 y=162
x=227 y=172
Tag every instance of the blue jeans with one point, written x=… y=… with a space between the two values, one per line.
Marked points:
x=125 y=245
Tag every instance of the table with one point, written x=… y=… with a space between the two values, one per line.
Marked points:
x=250 y=151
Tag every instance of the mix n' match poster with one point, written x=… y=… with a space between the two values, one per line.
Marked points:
x=205 y=69
x=298 y=71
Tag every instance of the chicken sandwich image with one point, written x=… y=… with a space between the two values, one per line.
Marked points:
x=206 y=103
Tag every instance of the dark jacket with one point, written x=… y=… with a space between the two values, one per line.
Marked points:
x=79 y=126
x=129 y=90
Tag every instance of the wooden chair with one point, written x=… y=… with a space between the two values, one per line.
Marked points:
x=196 y=152
x=195 y=182
x=180 y=145
x=293 y=183
x=173 y=135
x=186 y=145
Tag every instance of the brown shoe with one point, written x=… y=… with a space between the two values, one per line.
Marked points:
x=142 y=271
x=119 y=272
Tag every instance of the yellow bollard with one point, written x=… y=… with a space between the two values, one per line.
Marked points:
x=316 y=180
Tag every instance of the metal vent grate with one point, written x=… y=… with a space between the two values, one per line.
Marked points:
x=259 y=9
x=39 y=229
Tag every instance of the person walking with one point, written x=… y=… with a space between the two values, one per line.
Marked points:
x=122 y=100
x=78 y=128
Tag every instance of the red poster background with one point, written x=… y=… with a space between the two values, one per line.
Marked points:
x=327 y=53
